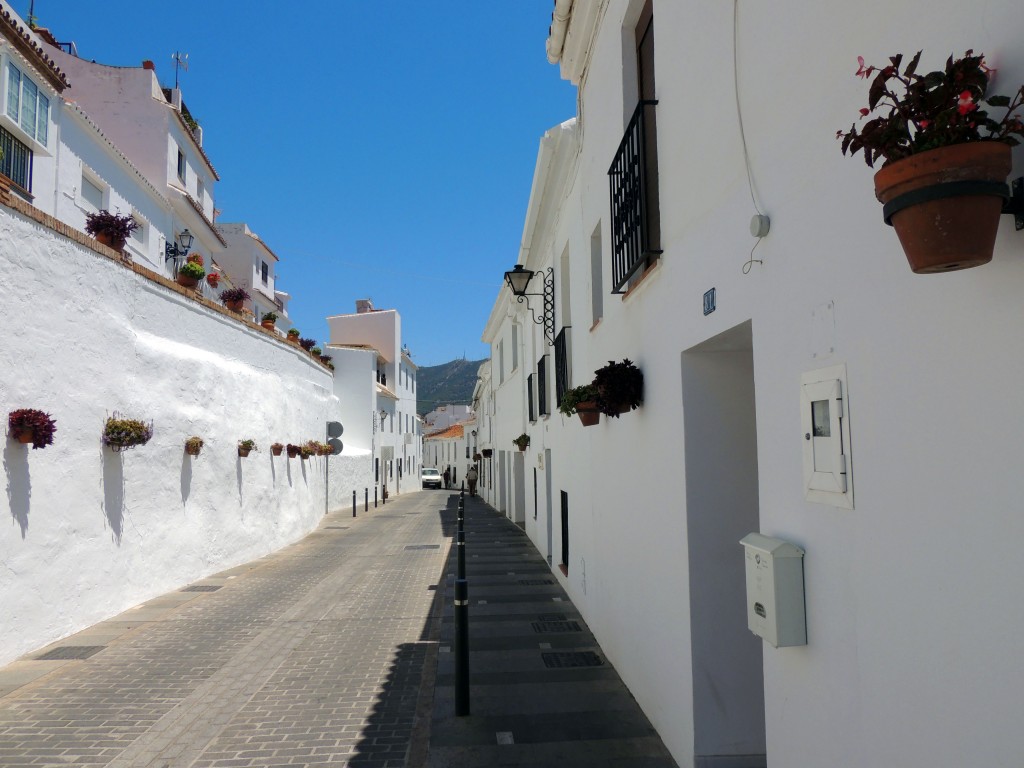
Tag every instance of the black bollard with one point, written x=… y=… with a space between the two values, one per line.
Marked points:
x=353 y=503
x=375 y=497
x=366 y=499
x=460 y=547
x=461 y=647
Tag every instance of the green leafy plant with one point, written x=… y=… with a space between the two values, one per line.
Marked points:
x=269 y=317
x=522 y=441
x=192 y=269
x=315 y=351
x=293 y=332
x=193 y=445
x=309 y=448
x=247 y=445
x=923 y=112
x=620 y=387
x=585 y=393
x=122 y=434
x=36 y=424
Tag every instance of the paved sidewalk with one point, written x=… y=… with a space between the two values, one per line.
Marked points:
x=336 y=651
x=541 y=692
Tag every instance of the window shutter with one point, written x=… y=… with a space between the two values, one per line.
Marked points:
x=42 y=119
x=13 y=91
x=28 y=106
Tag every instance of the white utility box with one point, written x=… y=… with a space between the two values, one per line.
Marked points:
x=775 y=590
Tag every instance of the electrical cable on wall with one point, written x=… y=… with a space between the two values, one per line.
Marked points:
x=760 y=223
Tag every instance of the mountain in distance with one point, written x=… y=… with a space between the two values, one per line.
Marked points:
x=446 y=384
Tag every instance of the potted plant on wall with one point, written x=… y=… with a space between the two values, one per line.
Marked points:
x=620 y=387
x=213 y=279
x=268 y=320
x=246 y=446
x=308 y=449
x=522 y=441
x=234 y=298
x=307 y=344
x=194 y=445
x=110 y=228
x=293 y=450
x=190 y=273
x=27 y=425
x=276 y=448
x=943 y=182
x=581 y=400
x=293 y=335
x=121 y=434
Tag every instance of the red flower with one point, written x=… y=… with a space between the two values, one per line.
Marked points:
x=922 y=124
x=966 y=103
x=864 y=111
x=195 y=258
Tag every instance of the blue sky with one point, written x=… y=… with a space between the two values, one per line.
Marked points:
x=381 y=149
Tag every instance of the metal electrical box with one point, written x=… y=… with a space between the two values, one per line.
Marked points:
x=775 y=590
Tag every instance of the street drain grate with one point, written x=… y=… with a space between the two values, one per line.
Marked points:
x=424 y=546
x=556 y=626
x=535 y=582
x=201 y=588
x=551 y=617
x=70 y=652
x=571 y=659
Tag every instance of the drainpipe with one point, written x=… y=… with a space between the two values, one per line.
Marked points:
x=559 y=26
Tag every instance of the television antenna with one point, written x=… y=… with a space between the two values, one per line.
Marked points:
x=180 y=62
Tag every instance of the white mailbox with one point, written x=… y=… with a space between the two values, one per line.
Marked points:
x=775 y=590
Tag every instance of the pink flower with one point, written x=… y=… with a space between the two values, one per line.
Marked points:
x=966 y=103
x=863 y=71
x=922 y=124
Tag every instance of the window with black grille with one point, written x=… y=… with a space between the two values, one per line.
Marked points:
x=561 y=364
x=16 y=163
x=542 y=386
x=529 y=398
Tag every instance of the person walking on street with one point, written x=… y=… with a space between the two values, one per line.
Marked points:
x=447 y=477
x=471 y=477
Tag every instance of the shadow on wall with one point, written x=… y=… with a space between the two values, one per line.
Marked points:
x=186 y=477
x=19 y=484
x=273 y=470
x=238 y=477
x=113 y=491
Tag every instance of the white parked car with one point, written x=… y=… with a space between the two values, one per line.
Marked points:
x=430 y=477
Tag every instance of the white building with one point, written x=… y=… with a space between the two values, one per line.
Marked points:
x=912 y=616
x=153 y=129
x=250 y=264
x=453 y=448
x=367 y=350
x=445 y=415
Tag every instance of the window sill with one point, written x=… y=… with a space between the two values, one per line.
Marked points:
x=655 y=267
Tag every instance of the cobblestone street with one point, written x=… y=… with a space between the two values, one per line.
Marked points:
x=327 y=653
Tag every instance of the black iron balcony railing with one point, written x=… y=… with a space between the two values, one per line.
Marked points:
x=561 y=364
x=542 y=386
x=631 y=208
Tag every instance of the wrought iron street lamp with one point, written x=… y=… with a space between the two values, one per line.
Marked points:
x=178 y=250
x=518 y=280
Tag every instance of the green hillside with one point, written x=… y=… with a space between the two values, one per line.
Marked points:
x=447 y=384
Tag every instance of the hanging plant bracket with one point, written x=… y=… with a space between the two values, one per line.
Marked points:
x=1015 y=204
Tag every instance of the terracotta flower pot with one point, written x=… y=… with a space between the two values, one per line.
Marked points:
x=192 y=451
x=276 y=450
x=187 y=282
x=107 y=239
x=588 y=413
x=292 y=452
x=945 y=204
x=268 y=324
x=25 y=436
x=243 y=452
x=235 y=306
x=293 y=338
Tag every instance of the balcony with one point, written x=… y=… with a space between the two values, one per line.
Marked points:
x=633 y=179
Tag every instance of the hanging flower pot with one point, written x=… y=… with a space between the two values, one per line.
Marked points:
x=276 y=449
x=293 y=451
x=946 y=158
x=588 y=413
x=194 y=445
x=29 y=425
x=245 y=447
x=945 y=204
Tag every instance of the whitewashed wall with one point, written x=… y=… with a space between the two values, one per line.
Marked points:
x=90 y=532
x=913 y=613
